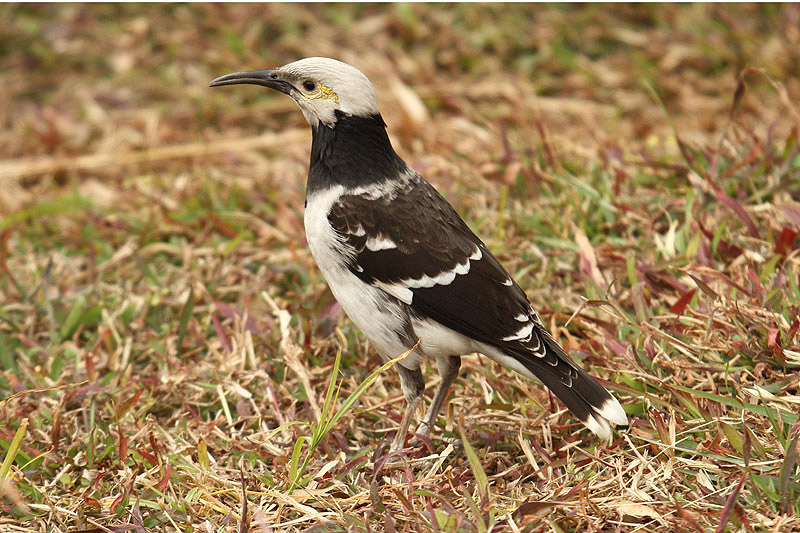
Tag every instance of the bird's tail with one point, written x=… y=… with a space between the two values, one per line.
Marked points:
x=589 y=401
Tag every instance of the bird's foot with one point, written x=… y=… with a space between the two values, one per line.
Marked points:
x=424 y=430
x=413 y=441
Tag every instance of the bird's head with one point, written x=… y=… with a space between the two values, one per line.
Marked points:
x=321 y=87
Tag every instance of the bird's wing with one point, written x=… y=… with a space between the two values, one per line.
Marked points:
x=411 y=243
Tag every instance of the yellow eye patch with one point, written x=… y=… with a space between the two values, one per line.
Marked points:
x=325 y=92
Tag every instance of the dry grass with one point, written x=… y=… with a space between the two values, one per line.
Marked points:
x=167 y=345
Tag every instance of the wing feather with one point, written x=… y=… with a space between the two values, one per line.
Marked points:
x=413 y=245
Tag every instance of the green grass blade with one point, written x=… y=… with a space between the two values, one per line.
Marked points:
x=789 y=418
x=477 y=470
x=72 y=321
x=362 y=388
x=202 y=455
x=330 y=398
x=12 y=450
x=186 y=314
x=294 y=463
x=787 y=468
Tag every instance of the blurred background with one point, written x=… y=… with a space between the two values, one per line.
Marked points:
x=642 y=158
x=104 y=79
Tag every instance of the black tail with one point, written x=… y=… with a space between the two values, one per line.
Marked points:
x=589 y=401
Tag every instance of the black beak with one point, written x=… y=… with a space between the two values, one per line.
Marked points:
x=266 y=78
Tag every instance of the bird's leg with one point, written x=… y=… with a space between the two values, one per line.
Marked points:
x=448 y=370
x=413 y=386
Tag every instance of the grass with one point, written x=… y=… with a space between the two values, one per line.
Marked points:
x=171 y=359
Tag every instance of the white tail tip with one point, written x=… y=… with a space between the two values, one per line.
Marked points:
x=611 y=411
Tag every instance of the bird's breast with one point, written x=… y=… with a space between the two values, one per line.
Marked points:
x=379 y=316
x=327 y=246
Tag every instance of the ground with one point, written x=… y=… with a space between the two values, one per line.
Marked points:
x=171 y=359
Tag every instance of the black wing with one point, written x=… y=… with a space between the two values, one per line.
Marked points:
x=411 y=243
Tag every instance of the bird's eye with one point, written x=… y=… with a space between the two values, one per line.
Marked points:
x=309 y=85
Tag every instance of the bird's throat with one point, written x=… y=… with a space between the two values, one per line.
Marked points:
x=354 y=152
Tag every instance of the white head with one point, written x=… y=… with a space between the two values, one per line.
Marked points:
x=320 y=86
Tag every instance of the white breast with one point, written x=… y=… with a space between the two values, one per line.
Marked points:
x=374 y=312
x=378 y=313
x=326 y=246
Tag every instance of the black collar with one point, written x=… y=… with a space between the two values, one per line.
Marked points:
x=354 y=152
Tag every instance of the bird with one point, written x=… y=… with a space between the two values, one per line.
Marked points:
x=402 y=263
